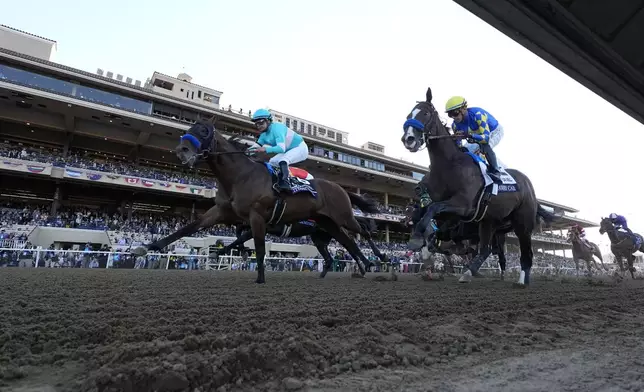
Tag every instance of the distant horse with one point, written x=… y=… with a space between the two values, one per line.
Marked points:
x=250 y=186
x=623 y=245
x=458 y=188
x=581 y=251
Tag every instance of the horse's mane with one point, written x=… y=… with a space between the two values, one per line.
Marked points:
x=236 y=142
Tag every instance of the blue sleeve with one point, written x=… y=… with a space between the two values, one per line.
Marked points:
x=279 y=134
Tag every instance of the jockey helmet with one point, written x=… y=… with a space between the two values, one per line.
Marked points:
x=613 y=216
x=454 y=103
x=262 y=114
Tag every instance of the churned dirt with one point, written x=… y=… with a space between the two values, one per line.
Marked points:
x=141 y=330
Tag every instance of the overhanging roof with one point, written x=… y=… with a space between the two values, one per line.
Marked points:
x=596 y=42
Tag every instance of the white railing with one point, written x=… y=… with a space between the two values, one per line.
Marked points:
x=47 y=258
x=58 y=258
x=14 y=244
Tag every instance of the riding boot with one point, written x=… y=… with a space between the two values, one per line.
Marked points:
x=283 y=184
x=493 y=167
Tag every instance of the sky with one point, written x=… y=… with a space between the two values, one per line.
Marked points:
x=360 y=67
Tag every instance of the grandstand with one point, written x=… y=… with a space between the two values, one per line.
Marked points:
x=87 y=161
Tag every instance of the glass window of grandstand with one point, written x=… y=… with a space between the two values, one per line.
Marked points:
x=338 y=137
x=211 y=98
x=322 y=131
x=308 y=128
x=302 y=127
x=295 y=125
x=57 y=86
x=288 y=122
x=331 y=134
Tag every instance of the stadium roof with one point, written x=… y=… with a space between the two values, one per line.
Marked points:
x=26 y=33
x=597 y=43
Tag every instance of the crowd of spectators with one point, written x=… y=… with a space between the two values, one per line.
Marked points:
x=103 y=163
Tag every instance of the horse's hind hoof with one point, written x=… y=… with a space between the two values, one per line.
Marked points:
x=357 y=275
x=517 y=285
x=140 y=251
x=322 y=274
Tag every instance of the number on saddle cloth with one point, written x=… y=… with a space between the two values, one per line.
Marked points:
x=509 y=184
x=298 y=179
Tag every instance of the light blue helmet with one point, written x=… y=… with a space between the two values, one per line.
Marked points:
x=262 y=114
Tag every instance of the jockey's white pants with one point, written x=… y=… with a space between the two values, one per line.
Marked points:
x=296 y=155
x=495 y=138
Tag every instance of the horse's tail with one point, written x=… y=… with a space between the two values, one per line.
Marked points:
x=365 y=205
x=368 y=225
x=546 y=216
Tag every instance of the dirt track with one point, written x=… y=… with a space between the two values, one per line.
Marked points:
x=131 y=330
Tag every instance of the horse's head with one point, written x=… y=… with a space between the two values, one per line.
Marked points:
x=605 y=225
x=198 y=141
x=422 y=121
x=410 y=212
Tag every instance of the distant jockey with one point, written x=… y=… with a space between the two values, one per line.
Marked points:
x=619 y=222
x=275 y=138
x=581 y=233
x=479 y=127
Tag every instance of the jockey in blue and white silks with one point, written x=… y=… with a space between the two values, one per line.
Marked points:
x=275 y=138
x=477 y=125
x=619 y=222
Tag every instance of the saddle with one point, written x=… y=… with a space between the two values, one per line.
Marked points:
x=298 y=179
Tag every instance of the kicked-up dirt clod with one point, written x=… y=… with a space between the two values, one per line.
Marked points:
x=142 y=330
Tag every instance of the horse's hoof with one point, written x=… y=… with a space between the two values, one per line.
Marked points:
x=260 y=281
x=466 y=277
x=357 y=275
x=322 y=274
x=502 y=277
x=518 y=285
x=140 y=251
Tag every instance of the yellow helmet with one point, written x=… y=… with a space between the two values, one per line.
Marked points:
x=454 y=103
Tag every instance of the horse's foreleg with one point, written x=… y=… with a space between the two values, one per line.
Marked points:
x=209 y=218
x=486 y=232
x=424 y=228
x=239 y=242
x=631 y=268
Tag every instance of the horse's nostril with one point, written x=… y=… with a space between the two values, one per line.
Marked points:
x=409 y=139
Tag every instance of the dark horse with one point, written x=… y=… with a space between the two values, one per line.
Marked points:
x=320 y=238
x=456 y=232
x=249 y=185
x=581 y=251
x=623 y=245
x=455 y=185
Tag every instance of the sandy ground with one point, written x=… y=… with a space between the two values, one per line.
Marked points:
x=141 y=330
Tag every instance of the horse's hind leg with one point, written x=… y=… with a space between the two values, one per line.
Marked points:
x=336 y=232
x=525 y=245
x=321 y=242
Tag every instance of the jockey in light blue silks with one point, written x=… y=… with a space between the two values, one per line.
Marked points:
x=275 y=138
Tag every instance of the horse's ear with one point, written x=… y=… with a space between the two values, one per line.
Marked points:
x=428 y=94
x=213 y=119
